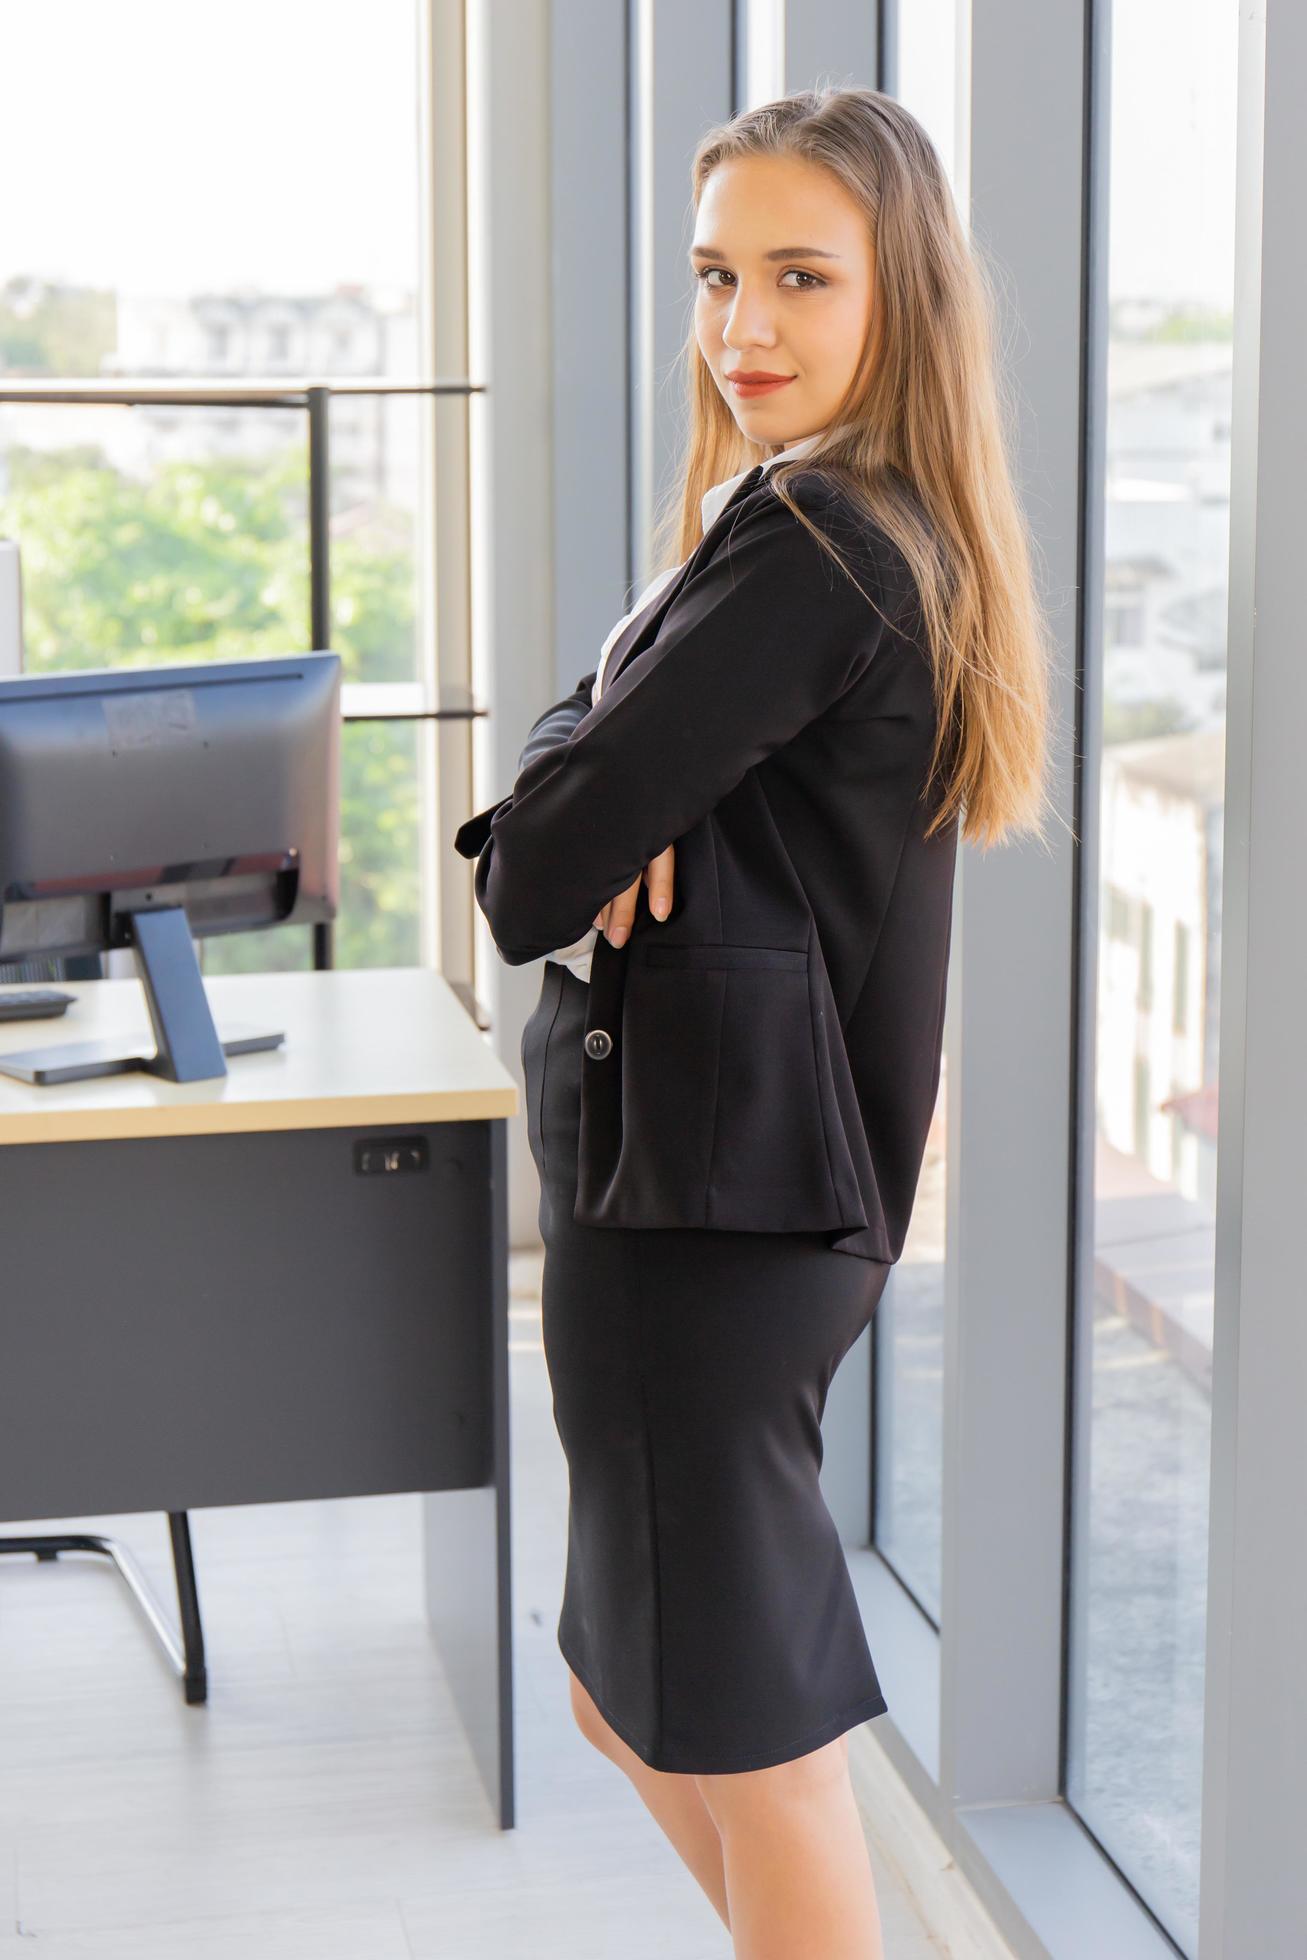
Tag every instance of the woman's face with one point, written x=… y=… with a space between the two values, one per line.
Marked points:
x=785 y=276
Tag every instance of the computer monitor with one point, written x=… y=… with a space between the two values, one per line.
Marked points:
x=141 y=806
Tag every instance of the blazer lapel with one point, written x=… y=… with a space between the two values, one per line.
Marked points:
x=644 y=626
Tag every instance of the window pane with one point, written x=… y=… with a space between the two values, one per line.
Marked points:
x=242 y=199
x=909 y=1326
x=932 y=39
x=204 y=558
x=380 y=511
x=379 y=922
x=909 y=1412
x=1144 y=1335
x=158 y=534
x=150 y=536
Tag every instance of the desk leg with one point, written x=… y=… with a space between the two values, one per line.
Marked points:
x=467 y=1546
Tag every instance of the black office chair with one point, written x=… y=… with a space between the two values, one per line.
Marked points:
x=187 y=1655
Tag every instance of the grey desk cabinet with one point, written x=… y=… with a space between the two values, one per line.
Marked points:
x=289 y=1283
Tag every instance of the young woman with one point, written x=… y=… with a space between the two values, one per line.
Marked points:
x=729 y=1085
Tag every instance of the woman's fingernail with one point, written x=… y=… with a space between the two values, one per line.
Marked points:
x=617 y=935
x=660 y=908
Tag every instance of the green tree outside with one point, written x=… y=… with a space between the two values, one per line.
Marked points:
x=208 y=561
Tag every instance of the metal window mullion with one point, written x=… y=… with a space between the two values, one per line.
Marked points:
x=1253 y=1896
x=1013 y=1070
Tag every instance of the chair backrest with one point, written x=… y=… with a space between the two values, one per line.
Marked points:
x=78 y=966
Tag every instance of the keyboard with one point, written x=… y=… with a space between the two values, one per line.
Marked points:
x=32 y=1003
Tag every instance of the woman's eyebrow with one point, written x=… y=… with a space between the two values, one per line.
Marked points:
x=781 y=252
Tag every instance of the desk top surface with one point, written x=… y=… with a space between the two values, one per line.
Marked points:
x=376 y=1045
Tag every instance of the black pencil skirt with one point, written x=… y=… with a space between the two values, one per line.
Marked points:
x=707 y=1604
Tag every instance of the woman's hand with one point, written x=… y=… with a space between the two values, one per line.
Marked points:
x=614 y=919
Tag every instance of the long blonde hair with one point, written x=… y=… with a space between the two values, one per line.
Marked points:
x=918 y=444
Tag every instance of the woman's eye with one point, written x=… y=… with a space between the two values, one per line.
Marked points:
x=797 y=271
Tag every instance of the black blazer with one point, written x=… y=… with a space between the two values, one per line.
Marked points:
x=767 y=1058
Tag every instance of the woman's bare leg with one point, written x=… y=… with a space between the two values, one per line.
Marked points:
x=799 y=1884
x=675 y=1802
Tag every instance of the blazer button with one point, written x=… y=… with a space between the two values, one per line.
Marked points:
x=598 y=1043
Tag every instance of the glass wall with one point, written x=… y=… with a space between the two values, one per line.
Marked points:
x=909 y=1322
x=234 y=195
x=159 y=247
x=1142 y=1407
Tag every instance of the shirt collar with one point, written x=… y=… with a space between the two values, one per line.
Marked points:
x=715 y=500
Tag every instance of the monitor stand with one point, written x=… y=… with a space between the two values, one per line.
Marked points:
x=188 y=1047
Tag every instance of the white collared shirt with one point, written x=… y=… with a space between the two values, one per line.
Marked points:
x=714 y=500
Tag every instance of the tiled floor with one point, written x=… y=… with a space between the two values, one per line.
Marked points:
x=323 y=1806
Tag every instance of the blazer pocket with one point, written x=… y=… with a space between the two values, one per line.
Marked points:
x=768 y=1139
x=722 y=958
x=722 y=1115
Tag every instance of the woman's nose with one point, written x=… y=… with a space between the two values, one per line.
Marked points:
x=749 y=321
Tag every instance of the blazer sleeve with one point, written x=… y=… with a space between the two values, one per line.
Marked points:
x=759 y=642
x=557 y=723
x=548 y=729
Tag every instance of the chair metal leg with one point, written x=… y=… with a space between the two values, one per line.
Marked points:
x=195 y=1677
x=186 y=1655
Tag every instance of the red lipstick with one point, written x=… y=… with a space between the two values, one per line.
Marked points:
x=749 y=382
